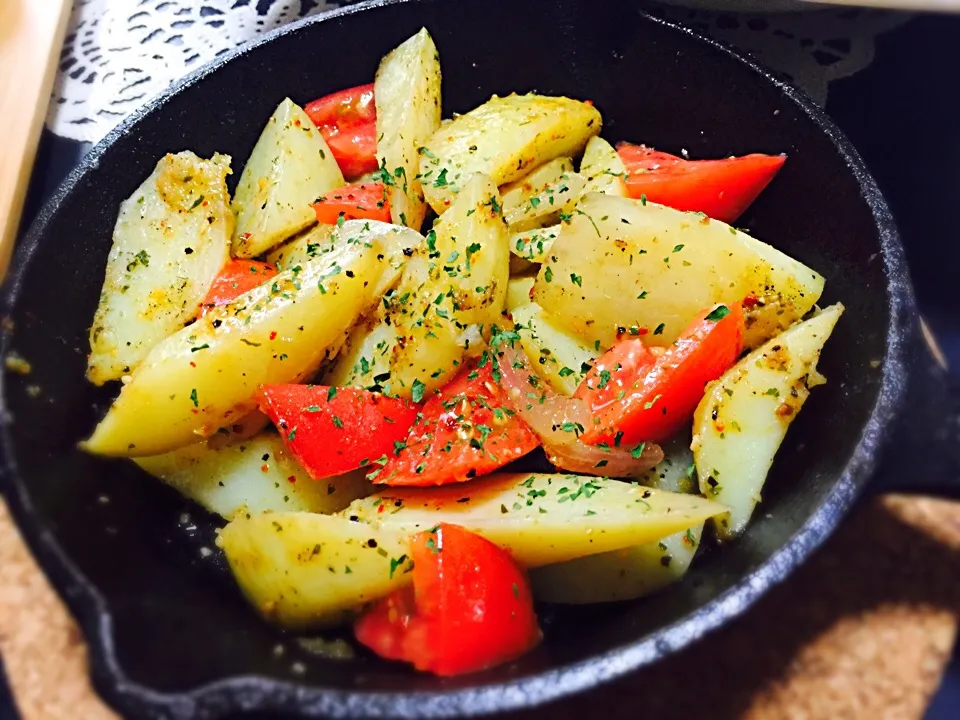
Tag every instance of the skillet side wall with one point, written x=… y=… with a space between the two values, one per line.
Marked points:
x=178 y=621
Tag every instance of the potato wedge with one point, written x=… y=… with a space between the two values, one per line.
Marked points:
x=676 y=472
x=171 y=239
x=503 y=139
x=303 y=570
x=244 y=428
x=624 y=574
x=517 y=194
x=603 y=169
x=744 y=416
x=622 y=263
x=534 y=245
x=518 y=291
x=307 y=245
x=290 y=167
x=538 y=199
x=635 y=571
x=397 y=242
x=560 y=358
x=407 y=92
x=253 y=476
x=451 y=286
x=541 y=519
x=204 y=377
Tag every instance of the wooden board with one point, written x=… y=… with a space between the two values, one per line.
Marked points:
x=31 y=36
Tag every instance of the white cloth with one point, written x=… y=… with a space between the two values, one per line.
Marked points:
x=121 y=53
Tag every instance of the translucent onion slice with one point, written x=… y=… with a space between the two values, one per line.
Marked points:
x=559 y=421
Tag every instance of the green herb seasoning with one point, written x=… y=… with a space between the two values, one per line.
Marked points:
x=417 y=390
x=718 y=313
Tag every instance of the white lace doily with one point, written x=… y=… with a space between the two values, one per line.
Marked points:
x=120 y=53
x=811 y=48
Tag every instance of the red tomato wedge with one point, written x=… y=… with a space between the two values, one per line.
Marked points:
x=347 y=108
x=464 y=431
x=348 y=122
x=335 y=430
x=236 y=278
x=355 y=149
x=639 y=397
x=721 y=189
x=469 y=608
x=353 y=202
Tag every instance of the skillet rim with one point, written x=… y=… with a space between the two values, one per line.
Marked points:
x=259 y=693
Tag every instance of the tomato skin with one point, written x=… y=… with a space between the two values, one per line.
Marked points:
x=367 y=201
x=470 y=607
x=721 y=189
x=355 y=149
x=614 y=372
x=346 y=108
x=649 y=401
x=348 y=122
x=447 y=445
x=234 y=279
x=333 y=432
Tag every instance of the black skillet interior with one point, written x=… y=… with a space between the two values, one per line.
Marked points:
x=170 y=619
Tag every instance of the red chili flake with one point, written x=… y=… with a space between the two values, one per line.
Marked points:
x=245 y=236
x=264 y=468
x=192 y=364
x=588 y=102
x=292 y=478
x=273 y=335
x=750 y=300
x=642 y=331
x=719 y=427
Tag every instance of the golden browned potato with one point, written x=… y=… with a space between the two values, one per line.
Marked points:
x=560 y=358
x=397 y=242
x=635 y=571
x=289 y=168
x=407 y=92
x=518 y=291
x=171 y=239
x=204 y=377
x=624 y=574
x=603 y=169
x=452 y=286
x=623 y=263
x=541 y=519
x=503 y=138
x=303 y=570
x=251 y=476
x=533 y=246
x=743 y=418
x=307 y=245
x=539 y=198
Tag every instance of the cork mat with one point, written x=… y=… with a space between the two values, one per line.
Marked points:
x=864 y=630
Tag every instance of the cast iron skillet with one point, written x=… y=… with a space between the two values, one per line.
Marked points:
x=169 y=635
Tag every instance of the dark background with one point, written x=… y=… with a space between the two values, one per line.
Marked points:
x=902 y=115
